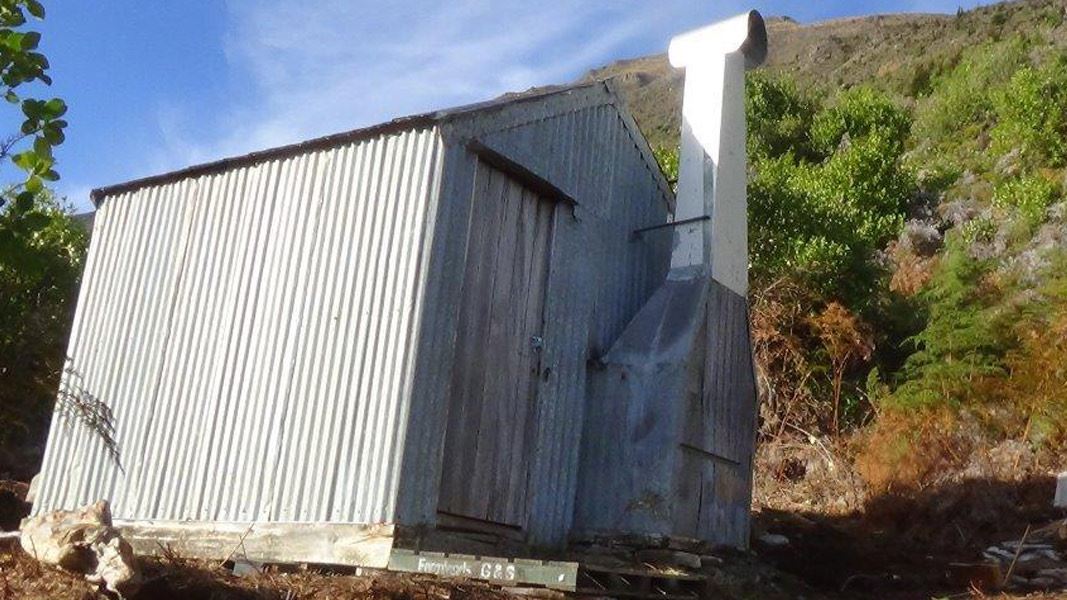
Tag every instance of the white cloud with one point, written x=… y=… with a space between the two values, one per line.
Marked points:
x=322 y=66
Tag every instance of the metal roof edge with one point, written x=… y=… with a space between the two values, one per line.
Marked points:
x=394 y=126
x=329 y=141
x=513 y=98
x=641 y=141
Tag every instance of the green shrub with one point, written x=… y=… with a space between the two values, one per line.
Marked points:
x=1031 y=113
x=965 y=334
x=823 y=221
x=779 y=117
x=1031 y=195
x=41 y=255
x=961 y=103
x=860 y=112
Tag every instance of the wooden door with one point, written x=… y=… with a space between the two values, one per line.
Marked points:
x=493 y=392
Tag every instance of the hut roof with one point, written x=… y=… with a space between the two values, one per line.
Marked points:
x=427 y=119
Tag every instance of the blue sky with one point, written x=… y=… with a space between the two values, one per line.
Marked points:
x=155 y=85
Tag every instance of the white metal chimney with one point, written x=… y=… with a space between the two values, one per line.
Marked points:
x=670 y=424
x=712 y=164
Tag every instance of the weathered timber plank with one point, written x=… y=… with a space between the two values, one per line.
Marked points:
x=498 y=403
x=551 y=574
x=321 y=543
x=467 y=374
x=470 y=525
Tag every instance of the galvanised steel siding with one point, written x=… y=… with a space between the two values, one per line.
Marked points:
x=591 y=155
x=253 y=332
x=599 y=276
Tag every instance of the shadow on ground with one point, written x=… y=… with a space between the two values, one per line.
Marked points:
x=901 y=545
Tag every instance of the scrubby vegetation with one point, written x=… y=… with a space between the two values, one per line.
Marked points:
x=908 y=242
x=42 y=250
x=41 y=247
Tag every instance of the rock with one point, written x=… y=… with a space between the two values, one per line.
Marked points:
x=773 y=540
x=1057 y=212
x=998 y=554
x=686 y=544
x=1009 y=164
x=31 y=492
x=920 y=238
x=710 y=560
x=1011 y=460
x=1059 y=574
x=674 y=558
x=242 y=567
x=83 y=541
x=959 y=212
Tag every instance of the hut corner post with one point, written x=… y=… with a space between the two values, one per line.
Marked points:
x=638 y=471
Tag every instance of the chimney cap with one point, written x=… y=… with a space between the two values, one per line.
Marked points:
x=745 y=33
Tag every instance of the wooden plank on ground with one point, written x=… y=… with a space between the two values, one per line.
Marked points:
x=550 y=574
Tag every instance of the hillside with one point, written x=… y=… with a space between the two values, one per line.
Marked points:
x=899 y=53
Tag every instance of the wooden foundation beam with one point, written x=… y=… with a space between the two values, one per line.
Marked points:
x=346 y=544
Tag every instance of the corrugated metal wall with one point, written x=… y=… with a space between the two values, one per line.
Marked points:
x=591 y=154
x=252 y=331
x=600 y=275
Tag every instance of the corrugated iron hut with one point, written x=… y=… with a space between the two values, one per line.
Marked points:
x=384 y=327
x=326 y=351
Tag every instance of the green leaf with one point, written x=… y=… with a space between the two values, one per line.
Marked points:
x=54 y=135
x=11 y=97
x=25 y=160
x=32 y=108
x=30 y=40
x=11 y=40
x=34 y=184
x=42 y=147
x=44 y=163
x=35 y=220
x=35 y=8
x=50 y=175
x=24 y=201
x=55 y=108
x=14 y=17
